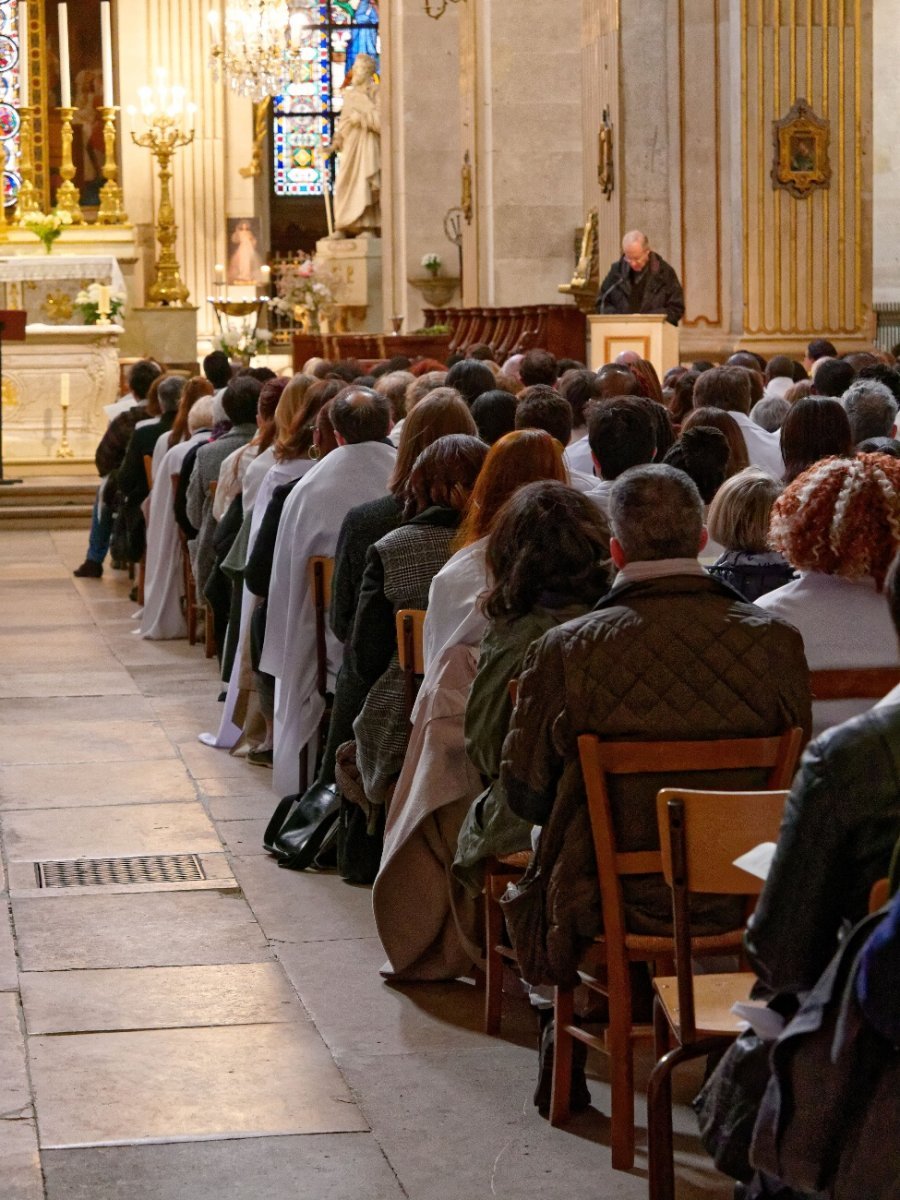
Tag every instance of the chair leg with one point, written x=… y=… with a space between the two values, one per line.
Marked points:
x=493 y=991
x=661 y=1154
x=563 y=1015
x=621 y=1083
x=141 y=579
x=661 y=1031
x=209 y=631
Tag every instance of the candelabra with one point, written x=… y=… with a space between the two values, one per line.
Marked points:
x=67 y=194
x=165 y=133
x=258 y=53
x=112 y=210
x=28 y=197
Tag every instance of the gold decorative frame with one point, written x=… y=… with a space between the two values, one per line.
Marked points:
x=606 y=175
x=801 y=152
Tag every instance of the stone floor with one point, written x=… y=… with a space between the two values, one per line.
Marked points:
x=231 y=1038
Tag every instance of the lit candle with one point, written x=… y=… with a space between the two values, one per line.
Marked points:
x=23 y=54
x=219 y=273
x=65 y=75
x=106 y=45
x=103 y=301
x=64 y=391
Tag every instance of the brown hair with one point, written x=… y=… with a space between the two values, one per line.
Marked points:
x=441 y=413
x=725 y=423
x=727 y=388
x=523 y=456
x=292 y=411
x=739 y=515
x=196 y=386
x=816 y=427
x=799 y=391
x=444 y=473
x=269 y=397
x=841 y=517
x=647 y=380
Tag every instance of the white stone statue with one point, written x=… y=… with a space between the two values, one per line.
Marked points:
x=357 y=138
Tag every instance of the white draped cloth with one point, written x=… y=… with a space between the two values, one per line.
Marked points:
x=310 y=524
x=231 y=478
x=255 y=473
x=162 y=617
x=229 y=734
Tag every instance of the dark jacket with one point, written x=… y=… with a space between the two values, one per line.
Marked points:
x=362 y=528
x=131 y=477
x=662 y=291
x=840 y=827
x=678 y=658
x=753 y=575
x=111 y=451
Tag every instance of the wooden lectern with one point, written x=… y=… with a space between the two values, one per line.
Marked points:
x=12 y=329
x=650 y=335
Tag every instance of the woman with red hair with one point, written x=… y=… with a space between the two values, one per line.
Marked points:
x=454 y=616
x=838 y=524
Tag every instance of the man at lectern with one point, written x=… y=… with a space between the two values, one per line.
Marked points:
x=641 y=282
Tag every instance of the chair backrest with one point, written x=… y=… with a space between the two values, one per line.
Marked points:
x=701 y=833
x=854 y=683
x=879 y=895
x=600 y=760
x=321 y=572
x=513 y=687
x=176 y=480
x=411 y=652
x=148 y=469
x=212 y=489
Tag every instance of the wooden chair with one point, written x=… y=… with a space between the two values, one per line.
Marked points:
x=142 y=565
x=209 y=623
x=854 y=683
x=410 y=651
x=879 y=895
x=701 y=834
x=191 y=611
x=321 y=573
x=616 y=949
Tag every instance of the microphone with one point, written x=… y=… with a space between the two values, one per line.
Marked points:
x=608 y=293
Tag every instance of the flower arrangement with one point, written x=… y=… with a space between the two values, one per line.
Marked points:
x=88 y=303
x=244 y=344
x=47 y=226
x=305 y=286
x=432 y=263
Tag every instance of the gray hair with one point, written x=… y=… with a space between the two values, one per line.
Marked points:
x=419 y=388
x=394 y=385
x=202 y=414
x=169 y=392
x=655 y=512
x=770 y=412
x=634 y=237
x=871 y=409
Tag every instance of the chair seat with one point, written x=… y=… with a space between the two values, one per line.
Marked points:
x=714 y=996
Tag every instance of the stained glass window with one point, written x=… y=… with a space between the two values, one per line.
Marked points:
x=9 y=98
x=334 y=33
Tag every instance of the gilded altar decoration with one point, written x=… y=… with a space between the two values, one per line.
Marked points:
x=466 y=197
x=605 y=161
x=57 y=306
x=801 y=151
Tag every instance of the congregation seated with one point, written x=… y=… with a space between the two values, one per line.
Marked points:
x=738 y=520
x=548 y=558
x=196 y=387
x=454 y=618
x=418 y=389
x=717 y=418
x=815 y=428
x=871 y=409
x=358 y=470
x=832 y=377
x=542 y=407
x=621 y=435
x=836 y=524
x=495 y=415
x=771 y=411
x=729 y=388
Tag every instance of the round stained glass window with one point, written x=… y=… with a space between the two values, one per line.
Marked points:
x=9 y=122
x=9 y=53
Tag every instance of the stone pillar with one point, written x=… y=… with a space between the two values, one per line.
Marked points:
x=520 y=72
x=207 y=185
x=420 y=148
x=885 y=161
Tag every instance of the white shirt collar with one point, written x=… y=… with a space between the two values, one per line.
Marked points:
x=637 y=572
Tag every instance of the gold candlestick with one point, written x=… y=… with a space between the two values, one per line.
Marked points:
x=65 y=450
x=164 y=136
x=111 y=211
x=67 y=194
x=28 y=200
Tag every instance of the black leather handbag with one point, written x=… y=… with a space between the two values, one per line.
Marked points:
x=300 y=825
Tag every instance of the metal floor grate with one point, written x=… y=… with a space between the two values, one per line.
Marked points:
x=94 y=872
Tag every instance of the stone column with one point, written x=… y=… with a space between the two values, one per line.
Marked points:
x=885 y=160
x=520 y=71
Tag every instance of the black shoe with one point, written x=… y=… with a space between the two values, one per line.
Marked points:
x=88 y=570
x=579 y=1094
x=133 y=594
x=261 y=758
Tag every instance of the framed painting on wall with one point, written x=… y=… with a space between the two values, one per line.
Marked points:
x=801 y=152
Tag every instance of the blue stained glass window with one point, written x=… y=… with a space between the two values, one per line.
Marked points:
x=9 y=99
x=336 y=31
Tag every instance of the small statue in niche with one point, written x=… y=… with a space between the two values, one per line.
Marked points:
x=357 y=138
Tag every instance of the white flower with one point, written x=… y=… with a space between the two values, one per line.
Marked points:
x=431 y=261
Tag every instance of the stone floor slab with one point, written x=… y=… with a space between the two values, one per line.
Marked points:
x=95 y=784
x=9 y=971
x=258 y=783
x=298 y=906
x=90 y=682
x=157 y=998
x=25 y=710
x=208 y=763
x=170 y=929
x=244 y=837
x=15 y=1093
x=195 y=678
x=336 y=1166
x=258 y=806
x=109 y=832
x=54 y=741
x=241 y=1081
x=20 y=1163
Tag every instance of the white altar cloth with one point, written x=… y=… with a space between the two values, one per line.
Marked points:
x=48 y=286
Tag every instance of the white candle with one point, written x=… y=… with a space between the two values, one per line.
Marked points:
x=65 y=74
x=64 y=391
x=23 y=54
x=103 y=301
x=106 y=45
x=219 y=272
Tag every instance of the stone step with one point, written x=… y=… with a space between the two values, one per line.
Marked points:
x=45 y=495
x=45 y=516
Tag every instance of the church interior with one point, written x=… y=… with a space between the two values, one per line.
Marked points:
x=308 y=330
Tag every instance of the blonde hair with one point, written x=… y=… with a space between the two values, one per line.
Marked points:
x=740 y=512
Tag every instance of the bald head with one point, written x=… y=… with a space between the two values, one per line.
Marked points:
x=360 y=414
x=615 y=380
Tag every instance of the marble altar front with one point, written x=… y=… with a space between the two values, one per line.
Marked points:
x=33 y=373
x=47 y=287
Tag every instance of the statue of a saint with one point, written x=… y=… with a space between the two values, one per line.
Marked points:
x=357 y=139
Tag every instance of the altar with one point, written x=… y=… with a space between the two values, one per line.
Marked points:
x=47 y=286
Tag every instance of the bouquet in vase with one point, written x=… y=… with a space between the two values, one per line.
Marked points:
x=47 y=226
x=87 y=302
x=244 y=345
x=306 y=290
